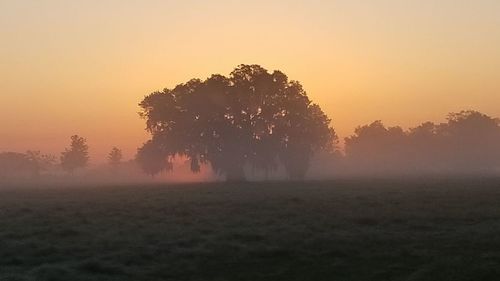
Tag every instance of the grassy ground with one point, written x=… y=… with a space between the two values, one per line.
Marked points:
x=338 y=230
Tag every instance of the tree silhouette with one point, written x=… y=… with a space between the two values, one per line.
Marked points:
x=152 y=159
x=251 y=117
x=471 y=139
x=115 y=157
x=375 y=143
x=76 y=156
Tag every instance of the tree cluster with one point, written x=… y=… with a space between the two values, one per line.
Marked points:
x=32 y=163
x=468 y=142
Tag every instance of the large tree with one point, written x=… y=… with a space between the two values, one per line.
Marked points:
x=251 y=117
x=76 y=156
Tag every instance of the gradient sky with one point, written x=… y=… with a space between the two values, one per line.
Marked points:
x=81 y=67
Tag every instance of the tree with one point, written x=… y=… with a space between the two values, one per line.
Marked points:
x=76 y=156
x=115 y=157
x=375 y=146
x=471 y=140
x=152 y=159
x=251 y=117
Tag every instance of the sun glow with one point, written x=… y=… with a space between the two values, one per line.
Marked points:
x=82 y=66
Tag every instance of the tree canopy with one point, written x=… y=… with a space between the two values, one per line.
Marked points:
x=76 y=156
x=253 y=117
x=115 y=157
x=152 y=159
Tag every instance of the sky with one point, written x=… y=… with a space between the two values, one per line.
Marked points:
x=82 y=67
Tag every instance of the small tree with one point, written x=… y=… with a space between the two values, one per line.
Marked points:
x=77 y=156
x=115 y=157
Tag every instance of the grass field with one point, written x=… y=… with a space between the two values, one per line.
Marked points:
x=336 y=230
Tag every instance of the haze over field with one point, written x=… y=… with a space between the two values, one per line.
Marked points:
x=81 y=67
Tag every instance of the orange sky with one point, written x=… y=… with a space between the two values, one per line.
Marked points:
x=81 y=67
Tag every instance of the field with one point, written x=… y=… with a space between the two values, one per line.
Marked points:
x=337 y=230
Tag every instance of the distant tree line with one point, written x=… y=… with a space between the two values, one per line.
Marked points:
x=33 y=163
x=468 y=142
x=28 y=164
x=256 y=121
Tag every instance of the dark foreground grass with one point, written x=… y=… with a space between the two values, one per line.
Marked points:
x=338 y=230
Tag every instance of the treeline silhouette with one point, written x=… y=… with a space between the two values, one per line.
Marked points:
x=258 y=124
x=469 y=142
x=73 y=167
x=32 y=164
